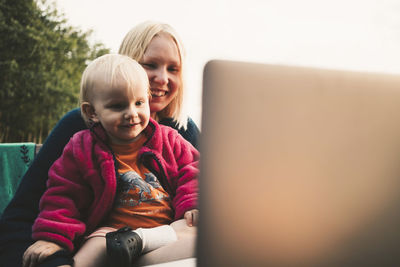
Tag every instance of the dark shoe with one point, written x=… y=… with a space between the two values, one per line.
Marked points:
x=123 y=247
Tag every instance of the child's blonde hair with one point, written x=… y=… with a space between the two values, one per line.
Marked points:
x=135 y=44
x=111 y=69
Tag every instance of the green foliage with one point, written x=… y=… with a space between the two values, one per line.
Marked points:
x=41 y=63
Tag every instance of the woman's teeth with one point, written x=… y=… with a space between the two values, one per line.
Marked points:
x=158 y=93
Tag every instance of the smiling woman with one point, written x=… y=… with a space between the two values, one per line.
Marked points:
x=163 y=60
x=162 y=63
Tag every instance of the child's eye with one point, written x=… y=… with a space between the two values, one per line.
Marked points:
x=116 y=106
x=139 y=103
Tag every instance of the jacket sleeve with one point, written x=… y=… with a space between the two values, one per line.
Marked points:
x=66 y=198
x=187 y=159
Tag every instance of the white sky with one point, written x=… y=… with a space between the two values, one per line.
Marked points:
x=341 y=34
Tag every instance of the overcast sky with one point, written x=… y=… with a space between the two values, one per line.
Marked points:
x=340 y=34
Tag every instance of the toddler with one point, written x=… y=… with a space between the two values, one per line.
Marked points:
x=125 y=172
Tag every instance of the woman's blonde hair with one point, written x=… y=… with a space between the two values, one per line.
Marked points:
x=112 y=70
x=135 y=44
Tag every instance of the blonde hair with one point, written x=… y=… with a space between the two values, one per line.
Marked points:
x=111 y=69
x=135 y=44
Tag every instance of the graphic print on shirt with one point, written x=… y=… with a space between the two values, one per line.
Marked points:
x=134 y=190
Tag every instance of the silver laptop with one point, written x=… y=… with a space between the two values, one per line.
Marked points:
x=299 y=167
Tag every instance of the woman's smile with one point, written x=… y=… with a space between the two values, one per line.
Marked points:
x=158 y=92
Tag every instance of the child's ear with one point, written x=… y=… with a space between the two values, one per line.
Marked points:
x=89 y=112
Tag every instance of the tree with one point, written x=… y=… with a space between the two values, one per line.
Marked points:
x=41 y=62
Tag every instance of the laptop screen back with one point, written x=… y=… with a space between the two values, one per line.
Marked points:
x=299 y=167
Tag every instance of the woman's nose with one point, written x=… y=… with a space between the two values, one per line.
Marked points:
x=161 y=76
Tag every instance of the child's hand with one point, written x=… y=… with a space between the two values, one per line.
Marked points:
x=38 y=251
x=192 y=217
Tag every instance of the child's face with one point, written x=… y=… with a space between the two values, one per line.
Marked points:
x=124 y=112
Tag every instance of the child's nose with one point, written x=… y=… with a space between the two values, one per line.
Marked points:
x=131 y=112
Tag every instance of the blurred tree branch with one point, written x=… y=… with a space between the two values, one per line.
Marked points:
x=41 y=62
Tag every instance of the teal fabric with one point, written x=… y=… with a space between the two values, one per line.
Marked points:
x=15 y=159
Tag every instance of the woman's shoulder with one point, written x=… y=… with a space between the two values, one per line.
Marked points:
x=73 y=117
x=191 y=133
x=192 y=127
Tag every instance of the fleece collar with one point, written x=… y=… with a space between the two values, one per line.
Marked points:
x=152 y=132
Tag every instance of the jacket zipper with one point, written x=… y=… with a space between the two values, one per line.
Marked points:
x=164 y=181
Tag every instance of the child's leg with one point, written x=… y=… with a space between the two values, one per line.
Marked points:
x=183 y=248
x=154 y=238
x=94 y=250
x=182 y=230
x=92 y=253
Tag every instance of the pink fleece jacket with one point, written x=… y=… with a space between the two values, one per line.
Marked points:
x=82 y=182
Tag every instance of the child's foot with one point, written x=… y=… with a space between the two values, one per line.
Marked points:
x=123 y=247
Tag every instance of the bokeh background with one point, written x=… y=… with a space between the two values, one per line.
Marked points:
x=341 y=34
x=361 y=35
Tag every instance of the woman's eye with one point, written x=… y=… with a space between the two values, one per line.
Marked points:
x=148 y=65
x=173 y=69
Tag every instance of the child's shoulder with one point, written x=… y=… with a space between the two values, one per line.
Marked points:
x=81 y=136
x=167 y=131
x=82 y=133
x=161 y=129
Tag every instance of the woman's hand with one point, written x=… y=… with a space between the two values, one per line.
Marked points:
x=192 y=217
x=39 y=251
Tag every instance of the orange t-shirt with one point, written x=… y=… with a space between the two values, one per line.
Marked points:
x=140 y=200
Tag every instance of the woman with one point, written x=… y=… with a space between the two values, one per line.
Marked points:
x=157 y=47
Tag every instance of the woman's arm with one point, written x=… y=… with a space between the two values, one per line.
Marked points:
x=18 y=217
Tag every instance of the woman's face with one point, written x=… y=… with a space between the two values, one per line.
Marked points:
x=163 y=66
